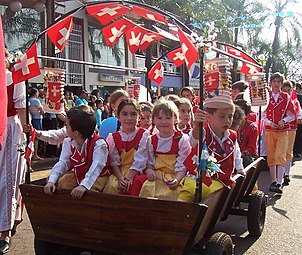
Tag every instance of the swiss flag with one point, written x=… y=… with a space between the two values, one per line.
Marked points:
x=114 y=31
x=211 y=81
x=188 y=49
x=60 y=32
x=150 y=15
x=249 y=69
x=30 y=148
x=156 y=73
x=177 y=57
x=27 y=67
x=55 y=91
x=105 y=13
x=3 y=92
x=149 y=38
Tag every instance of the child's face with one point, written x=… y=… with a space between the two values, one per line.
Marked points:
x=235 y=92
x=146 y=119
x=128 y=118
x=221 y=120
x=165 y=124
x=184 y=114
x=287 y=89
x=188 y=95
x=276 y=85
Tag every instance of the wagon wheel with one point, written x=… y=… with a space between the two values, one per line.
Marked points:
x=256 y=213
x=219 y=244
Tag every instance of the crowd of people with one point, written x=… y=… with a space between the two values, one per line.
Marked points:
x=120 y=146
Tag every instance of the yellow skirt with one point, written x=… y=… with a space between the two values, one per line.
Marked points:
x=187 y=191
x=112 y=186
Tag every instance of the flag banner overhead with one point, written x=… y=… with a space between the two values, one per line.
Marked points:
x=177 y=57
x=60 y=32
x=105 y=13
x=156 y=73
x=150 y=15
x=27 y=67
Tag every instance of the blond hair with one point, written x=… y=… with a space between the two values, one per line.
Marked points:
x=167 y=107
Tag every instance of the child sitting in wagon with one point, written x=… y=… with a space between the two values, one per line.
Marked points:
x=83 y=164
x=222 y=144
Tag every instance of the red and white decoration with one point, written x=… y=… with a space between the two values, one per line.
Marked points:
x=60 y=32
x=27 y=67
x=113 y=32
x=257 y=89
x=30 y=148
x=150 y=15
x=156 y=73
x=54 y=81
x=177 y=57
x=105 y=13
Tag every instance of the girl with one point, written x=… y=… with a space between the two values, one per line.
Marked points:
x=167 y=151
x=127 y=150
x=111 y=125
x=146 y=117
x=185 y=112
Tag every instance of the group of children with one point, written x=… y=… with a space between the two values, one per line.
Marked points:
x=152 y=150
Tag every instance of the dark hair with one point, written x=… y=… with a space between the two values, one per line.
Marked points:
x=277 y=75
x=298 y=86
x=172 y=97
x=82 y=119
x=244 y=105
x=98 y=101
x=241 y=85
x=146 y=106
x=238 y=118
x=32 y=92
x=189 y=89
x=129 y=101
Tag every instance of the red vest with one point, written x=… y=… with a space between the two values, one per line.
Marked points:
x=247 y=139
x=127 y=145
x=174 y=147
x=80 y=164
x=224 y=156
x=276 y=111
x=11 y=110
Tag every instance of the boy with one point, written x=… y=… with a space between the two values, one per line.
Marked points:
x=221 y=142
x=279 y=113
x=83 y=162
x=237 y=88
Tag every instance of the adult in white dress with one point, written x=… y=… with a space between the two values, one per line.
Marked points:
x=12 y=164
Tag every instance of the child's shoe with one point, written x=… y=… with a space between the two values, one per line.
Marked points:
x=272 y=188
x=286 y=180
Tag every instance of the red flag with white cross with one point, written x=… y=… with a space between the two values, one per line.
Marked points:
x=60 y=32
x=249 y=69
x=149 y=38
x=27 y=67
x=30 y=147
x=177 y=57
x=211 y=81
x=55 y=91
x=114 y=31
x=105 y=13
x=188 y=49
x=156 y=73
x=150 y=15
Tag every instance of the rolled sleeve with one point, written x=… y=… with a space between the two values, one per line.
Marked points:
x=183 y=153
x=141 y=155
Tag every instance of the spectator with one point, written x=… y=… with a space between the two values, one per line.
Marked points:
x=83 y=97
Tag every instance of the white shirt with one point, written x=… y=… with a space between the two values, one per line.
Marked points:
x=140 y=156
x=164 y=145
x=99 y=159
x=54 y=136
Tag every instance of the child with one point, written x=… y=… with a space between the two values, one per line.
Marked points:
x=238 y=118
x=185 y=111
x=83 y=162
x=292 y=127
x=237 y=88
x=221 y=142
x=127 y=149
x=146 y=116
x=278 y=114
x=167 y=151
x=98 y=112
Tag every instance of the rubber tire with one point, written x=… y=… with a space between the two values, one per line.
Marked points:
x=219 y=244
x=256 y=213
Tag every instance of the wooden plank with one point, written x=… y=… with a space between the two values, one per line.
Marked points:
x=112 y=223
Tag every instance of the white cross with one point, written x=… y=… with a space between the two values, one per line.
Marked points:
x=116 y=33
x=150 y=16
x=147 y=38
x=110 y=11
x=24 y=64
x=65 y=33
x=158 y=73
x=184 y=49
x=54 y=91
x=179 y=55
x=134 y=40
x=252 y=69
x=210 y=81
x=236 y=52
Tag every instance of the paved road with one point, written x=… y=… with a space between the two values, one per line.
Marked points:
x=282 y=233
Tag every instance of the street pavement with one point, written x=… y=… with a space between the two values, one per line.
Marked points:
x=282 y=233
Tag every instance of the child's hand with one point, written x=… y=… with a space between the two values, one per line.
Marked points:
x=27 y=128
x=240 y=171
x=199 y=116
x=151 y=174
x=173 y=185
x=78 y=192
x=49 y=188
x=123 y=182
x=281 y=124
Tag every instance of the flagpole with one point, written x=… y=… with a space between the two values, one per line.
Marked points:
x=198 y=190
x=27 y=174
